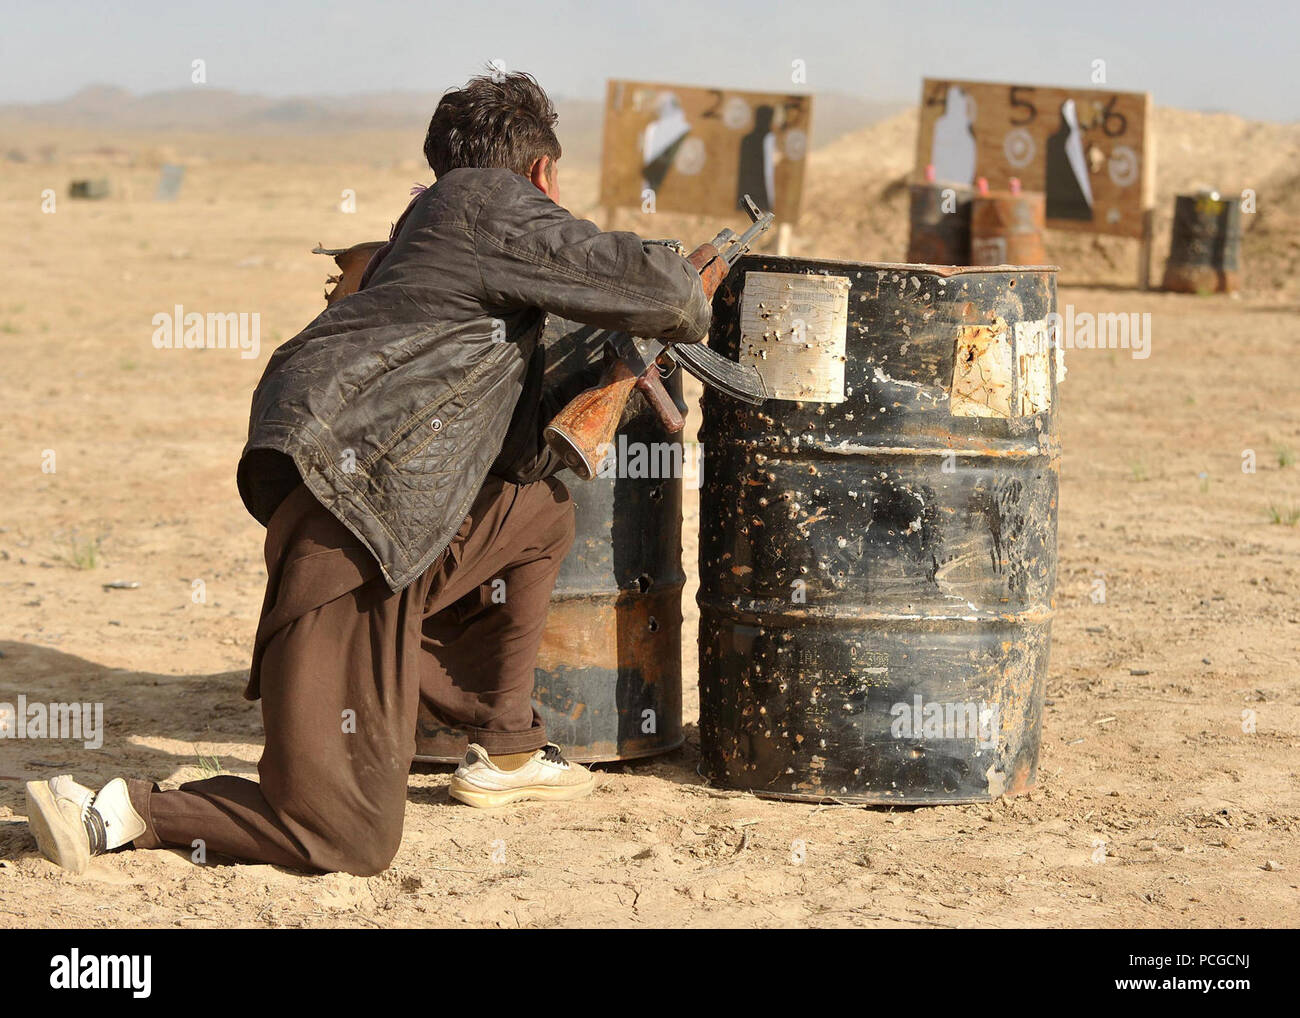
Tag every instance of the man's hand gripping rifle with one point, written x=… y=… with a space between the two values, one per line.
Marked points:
x=585 y=428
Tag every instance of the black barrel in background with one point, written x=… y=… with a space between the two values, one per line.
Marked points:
x=940 y=224
x=867 y=562
x=97 y=188
x=1205 y=246
x=609 y=672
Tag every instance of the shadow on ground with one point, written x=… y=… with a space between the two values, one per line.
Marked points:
x=141 y=709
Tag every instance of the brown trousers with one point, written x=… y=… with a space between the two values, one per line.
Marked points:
x=341 y=664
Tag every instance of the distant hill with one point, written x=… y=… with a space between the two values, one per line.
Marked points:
x=202 y=108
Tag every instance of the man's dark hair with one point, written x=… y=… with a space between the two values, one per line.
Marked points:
x=496 y=120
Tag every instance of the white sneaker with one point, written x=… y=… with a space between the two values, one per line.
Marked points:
x=547 y=775
x=71 y=823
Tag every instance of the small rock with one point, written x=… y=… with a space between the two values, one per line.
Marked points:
x=1272 y=865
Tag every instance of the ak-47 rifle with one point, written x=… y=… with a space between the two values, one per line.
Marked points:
x=584 y=429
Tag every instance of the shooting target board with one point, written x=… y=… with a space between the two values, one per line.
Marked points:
x=1087 y=150
x=699 y=150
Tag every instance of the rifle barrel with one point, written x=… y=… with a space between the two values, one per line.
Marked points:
x=741 y=244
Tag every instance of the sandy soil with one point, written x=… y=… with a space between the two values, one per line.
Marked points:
x=1156 y=805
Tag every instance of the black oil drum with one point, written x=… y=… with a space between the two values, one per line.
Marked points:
x=940 y=224
x=609 y=671
x=878 y=548
x=1205 y=246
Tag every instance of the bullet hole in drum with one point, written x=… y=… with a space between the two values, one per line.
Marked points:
x=654 y=624
x=656 y=493
x=644 y=582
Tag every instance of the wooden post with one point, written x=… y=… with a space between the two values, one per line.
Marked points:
x=1145 y=252
x=784 y=239
x=1145 y=245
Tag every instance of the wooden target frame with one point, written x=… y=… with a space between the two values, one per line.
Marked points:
x=688 y=149
x=1089 y=150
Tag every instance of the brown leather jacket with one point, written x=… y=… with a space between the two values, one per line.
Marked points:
x=395 y=403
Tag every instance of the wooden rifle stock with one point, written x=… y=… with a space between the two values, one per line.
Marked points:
x=584 y=429
x=711 y=266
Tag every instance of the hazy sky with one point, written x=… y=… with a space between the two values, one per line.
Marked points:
x=1240 y=57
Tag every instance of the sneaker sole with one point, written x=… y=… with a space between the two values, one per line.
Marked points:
x=57 y=839
x=482 y=798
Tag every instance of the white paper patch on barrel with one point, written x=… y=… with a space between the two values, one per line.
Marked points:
x=792 y=329
x=1034 y=366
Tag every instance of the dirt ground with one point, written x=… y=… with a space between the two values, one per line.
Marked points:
x=1167 y=792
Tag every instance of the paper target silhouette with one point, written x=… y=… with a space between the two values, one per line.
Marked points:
x=757 y=176
x=952 y=150
x=661 y=139
x=1069 y=186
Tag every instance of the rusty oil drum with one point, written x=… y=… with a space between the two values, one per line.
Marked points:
x=939 y=221
x=866 y=562
x=1007 y=229
x=1205 y=246
x=609 y=671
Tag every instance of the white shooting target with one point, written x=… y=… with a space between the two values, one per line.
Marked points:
x=736 y=114
x=1019 y=147
x=795 y=144
x=1123 y=165
x=690 y=157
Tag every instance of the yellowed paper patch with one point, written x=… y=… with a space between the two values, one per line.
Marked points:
x=983 y=377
